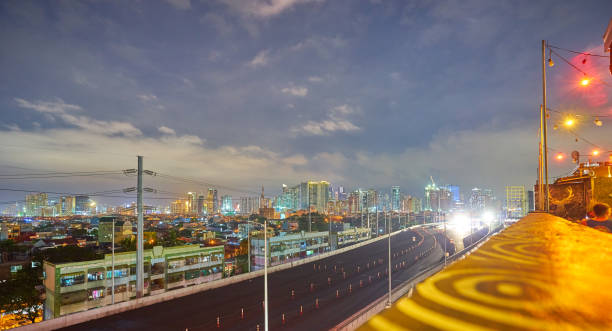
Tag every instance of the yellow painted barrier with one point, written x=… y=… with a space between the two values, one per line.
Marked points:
x=542 y=273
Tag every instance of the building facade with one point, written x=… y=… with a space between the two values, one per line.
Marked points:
x=78 y=286
x=516 y=201
x=288 y=248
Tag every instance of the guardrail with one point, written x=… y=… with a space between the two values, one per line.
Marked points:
x=378 y=305
x=84 y=316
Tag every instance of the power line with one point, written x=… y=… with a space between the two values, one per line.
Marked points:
x=203 y=183
x=578 y=69
x=577 y=52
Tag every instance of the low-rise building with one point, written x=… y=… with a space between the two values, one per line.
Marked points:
x=288 y=248
x=77 y=286
x=353 y=236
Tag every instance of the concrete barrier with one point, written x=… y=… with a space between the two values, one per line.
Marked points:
x=84 y=316
x=378 y=305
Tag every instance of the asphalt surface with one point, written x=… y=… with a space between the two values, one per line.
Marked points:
x=342 y=284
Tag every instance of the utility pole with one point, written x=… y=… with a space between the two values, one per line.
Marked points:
x=544 y=199
x=266 y=274
x=139 y=236
x=369 y=227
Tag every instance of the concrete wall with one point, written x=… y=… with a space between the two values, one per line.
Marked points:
x=81 y=317
x=378 y=305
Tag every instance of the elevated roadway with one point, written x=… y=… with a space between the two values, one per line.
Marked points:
x=313 y=296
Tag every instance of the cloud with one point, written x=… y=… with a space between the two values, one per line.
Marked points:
x=336 y=121
x=147 y=97
x=315 y=79
x=261 y=59
x=265 y=8
x=297 y=91
x=60 y=109
x=180 y=4
x=166 y=130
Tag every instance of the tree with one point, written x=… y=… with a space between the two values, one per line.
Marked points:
x=18 y=295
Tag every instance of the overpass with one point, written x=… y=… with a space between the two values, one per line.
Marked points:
x=543 y=273
x=317 y=293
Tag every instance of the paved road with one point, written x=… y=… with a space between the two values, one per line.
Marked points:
x=343 y=284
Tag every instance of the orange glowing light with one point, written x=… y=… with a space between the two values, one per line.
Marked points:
x=569 y=122
x=595 y=152
x=559 y=156
x=585 y=82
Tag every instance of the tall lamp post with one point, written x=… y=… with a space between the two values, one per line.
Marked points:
x=389 y=243
x=266 y=274
x=543 y=203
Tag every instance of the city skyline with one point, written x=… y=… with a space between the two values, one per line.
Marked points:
x=389 y=95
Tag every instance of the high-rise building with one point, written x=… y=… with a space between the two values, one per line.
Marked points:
x=201 y=205
x=179 y=207
x=432 y=197
x=530 y=201
x=212 y=204
x=312 y=195
x=192 y=203
x=226 y=204
x=481 y=199
x=249 y=205
x=516 y=201
x=395 y=198
x=34 y=204
x=68 y=205
x=81 y=204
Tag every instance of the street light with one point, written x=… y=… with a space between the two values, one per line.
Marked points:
x=569 y=122
x=585 y=81
x=266 y=274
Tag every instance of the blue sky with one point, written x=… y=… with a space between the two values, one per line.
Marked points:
x=264 y=92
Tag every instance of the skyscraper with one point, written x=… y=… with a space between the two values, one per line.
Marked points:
x=68 y=205
x=34 y=203
x=81 y=204
x=432 y=197
x=192 y=207
x=395 y=198
x=226 y=204
x=516 y=201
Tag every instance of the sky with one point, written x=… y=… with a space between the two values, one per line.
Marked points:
x=245 y=93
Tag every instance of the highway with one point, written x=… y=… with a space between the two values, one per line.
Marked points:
x=313 y=296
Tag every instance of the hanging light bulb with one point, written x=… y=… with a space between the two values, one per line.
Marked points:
x=555 y=127
x=598 y=122
x=585 y=81
x=550 y=62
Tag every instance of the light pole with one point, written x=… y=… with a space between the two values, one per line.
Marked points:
x=266 y=274
x=445 y=239
x=377 y=221
x=309 y=213
x=543 y=199
x=389 y=242
x=113 y=264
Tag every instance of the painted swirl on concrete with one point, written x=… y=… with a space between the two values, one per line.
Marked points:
x=542 y=273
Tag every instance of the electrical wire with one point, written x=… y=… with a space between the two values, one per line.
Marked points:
x=577 y=52
x=578 y=69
